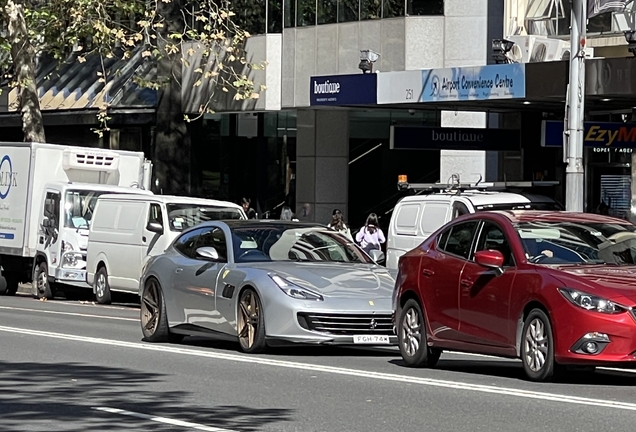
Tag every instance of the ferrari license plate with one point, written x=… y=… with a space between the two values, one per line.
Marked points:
x=371 y=339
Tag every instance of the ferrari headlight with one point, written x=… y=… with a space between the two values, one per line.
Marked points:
x=591 y=302
x=295 y=291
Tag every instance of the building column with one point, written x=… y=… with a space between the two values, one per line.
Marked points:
x=322 y=164
x=469 y=164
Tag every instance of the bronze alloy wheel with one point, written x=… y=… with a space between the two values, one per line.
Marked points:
x=151 y=308
x=250 y=322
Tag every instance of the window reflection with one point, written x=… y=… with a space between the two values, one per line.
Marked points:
x=392 y=8
x=348 y=10
x=327 y=11
x=274 y=16
x=425 y=7
x=306 y=13
x=370 y=9
x=250 y=15
x=552 y=18
x=290 y=13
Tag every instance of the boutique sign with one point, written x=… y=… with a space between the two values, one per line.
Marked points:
x=506 y=81
x=425 y=138
x=341 y=90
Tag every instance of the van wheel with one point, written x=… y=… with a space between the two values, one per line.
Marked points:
x=102 y=288
x=44 y=288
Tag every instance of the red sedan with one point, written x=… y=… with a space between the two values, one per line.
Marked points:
x=551 y=288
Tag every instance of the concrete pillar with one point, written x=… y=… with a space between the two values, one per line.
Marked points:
x=322 y=164
x=469 y=164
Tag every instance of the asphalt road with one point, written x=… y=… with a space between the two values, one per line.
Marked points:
x=77 y=366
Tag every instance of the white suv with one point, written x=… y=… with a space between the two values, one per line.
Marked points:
x=416 y=217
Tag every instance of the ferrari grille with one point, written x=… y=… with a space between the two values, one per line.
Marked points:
x=347 y=324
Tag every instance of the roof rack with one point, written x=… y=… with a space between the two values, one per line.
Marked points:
x=454 y=185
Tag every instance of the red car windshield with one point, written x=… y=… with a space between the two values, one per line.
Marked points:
x=578 y=243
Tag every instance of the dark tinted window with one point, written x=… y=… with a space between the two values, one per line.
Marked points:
x=441 y=240
x=185 y=243
x=492 y=237
x=214 y=237
x=461 y=239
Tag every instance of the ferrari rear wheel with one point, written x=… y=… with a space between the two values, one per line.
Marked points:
x=154 y=319
x=412 y=337
x=251 y=322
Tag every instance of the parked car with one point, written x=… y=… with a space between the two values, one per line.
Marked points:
x=551 y=288
x=267 y=283
x=127 y=229
x=416 y=217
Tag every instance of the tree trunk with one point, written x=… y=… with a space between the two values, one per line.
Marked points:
x=23 y=56
x=171 y=155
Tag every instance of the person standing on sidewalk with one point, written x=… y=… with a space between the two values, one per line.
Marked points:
x=338 y=224
x=371 y=236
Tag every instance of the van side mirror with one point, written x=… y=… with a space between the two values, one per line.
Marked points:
x=377 y=256
x=155 y=227
x=208 y=253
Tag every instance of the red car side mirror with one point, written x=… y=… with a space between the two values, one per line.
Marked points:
x=489 y=258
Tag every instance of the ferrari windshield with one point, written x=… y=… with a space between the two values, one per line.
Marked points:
x=578 y=243
x=280 y=242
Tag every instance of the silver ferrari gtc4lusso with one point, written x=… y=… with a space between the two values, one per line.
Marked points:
x=266 y=283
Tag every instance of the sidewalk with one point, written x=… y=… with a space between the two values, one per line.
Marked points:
x=24 y=289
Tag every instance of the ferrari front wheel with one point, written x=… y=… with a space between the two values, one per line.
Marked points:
x=250 y=322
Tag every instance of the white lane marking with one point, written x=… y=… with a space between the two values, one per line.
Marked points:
x=336 y=370
x=164 y=420
x=69 y=313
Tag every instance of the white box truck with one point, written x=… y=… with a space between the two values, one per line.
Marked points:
x=47 y=195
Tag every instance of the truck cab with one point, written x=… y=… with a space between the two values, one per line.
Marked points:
x=64 y=221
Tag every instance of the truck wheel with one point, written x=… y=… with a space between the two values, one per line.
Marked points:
x=44 y=288
x=102 y=289
x=10 y=285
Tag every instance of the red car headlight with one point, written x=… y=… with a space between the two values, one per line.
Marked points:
x=591 y=302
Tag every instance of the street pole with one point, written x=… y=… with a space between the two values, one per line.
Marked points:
x=574 y=173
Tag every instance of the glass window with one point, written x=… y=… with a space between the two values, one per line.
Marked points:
x=549 y=242
x=250 y=15
x=214 y=237
x=185 y=243
x=348 y=10
x=327 y=11
x=78 y=207
x=493 y=238
x=370 y=9
x=289 y=13
x=552 y=18
x=392 y=8
x=306 y=13
x=460 y=239
x=274 y=16
x=293 y=242
x=182 y=216
x=52 y=209
x=425 y=7
x=155 y=215
x=442 y=239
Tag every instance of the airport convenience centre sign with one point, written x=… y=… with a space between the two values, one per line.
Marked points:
x=505 y=81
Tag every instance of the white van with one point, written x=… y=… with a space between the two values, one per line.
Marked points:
x=417 y=217
x=127 y=229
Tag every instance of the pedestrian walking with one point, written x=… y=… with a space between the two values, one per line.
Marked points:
x=338 y=224
x=371 y=236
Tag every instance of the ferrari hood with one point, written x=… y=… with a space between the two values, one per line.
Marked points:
x=335 y=279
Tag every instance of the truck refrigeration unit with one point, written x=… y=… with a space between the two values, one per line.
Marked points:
x=47 y=196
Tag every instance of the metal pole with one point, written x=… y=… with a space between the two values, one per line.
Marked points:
x=574 y=178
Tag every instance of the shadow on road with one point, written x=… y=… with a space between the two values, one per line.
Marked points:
x=34 y=394
x=514 y=370
x=296 y=350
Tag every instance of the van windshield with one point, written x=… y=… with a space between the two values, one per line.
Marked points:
x=79 y=206
x=182 y=216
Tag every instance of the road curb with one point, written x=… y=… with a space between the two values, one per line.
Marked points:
x=24 y=288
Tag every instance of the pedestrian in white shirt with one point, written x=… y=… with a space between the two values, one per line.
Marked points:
x=371 y=236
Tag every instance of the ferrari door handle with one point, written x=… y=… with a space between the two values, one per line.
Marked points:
x=179 y=270
x=466 y=282
x=428 y=272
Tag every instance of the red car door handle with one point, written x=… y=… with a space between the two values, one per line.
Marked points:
x=466 y=282
x=427 y=272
